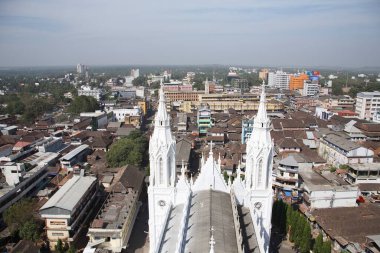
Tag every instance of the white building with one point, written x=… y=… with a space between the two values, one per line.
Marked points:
x=364 y=173
x=202 y=216
x=81 y=68
x=13 y=172
x=120 y=113
x=66 y=212
x=89 y=92
x=367 y=104
x=320 y=193
x=279 y=79
x=337 y=151
x=310 y=89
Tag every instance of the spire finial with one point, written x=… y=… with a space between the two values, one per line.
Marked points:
x=212 y=240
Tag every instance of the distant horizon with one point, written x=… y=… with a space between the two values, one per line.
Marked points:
x=326 y=33
x=257 y=67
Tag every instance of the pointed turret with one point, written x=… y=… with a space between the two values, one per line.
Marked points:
x=162 y=117
x=162 y=147
x=261 y=120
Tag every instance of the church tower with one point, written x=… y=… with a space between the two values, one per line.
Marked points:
x=258 y=175
x=162 y=179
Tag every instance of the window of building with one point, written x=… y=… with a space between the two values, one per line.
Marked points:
x=57 y=234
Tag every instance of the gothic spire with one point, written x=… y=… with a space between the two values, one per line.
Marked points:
x=261 y=120
x=162 y=116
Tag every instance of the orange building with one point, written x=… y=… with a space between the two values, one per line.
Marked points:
x=296 y=82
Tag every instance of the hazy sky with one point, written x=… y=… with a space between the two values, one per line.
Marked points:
x=248 y=32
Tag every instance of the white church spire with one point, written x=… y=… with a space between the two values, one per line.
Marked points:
x=261 y=120
x=163 y=177
x=258 y=174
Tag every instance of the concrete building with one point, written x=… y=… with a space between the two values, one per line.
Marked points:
x=246 y=130
x=204 y=121
x=296 y=82
x=74 y=157
x=287 y=173
x=99 y=119
x=363 y=173
x=367 y=104
x=89 y=92
x=67 y=211
x=337 y=151
x=310 y=89
x=128 y=115
x=321 y=193
x=279 y=79
x=112 y=227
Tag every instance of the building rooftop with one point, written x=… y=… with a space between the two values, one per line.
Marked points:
x=74 y=152
x=351 y=223
x=313 y=181
x=341 y=143
x=365 y=166
x=70 y=194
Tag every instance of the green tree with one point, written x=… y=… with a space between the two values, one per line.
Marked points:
x=59 y=247
x=318 y=244
x=129 y=150
x=140 y=81
x=83 y=104
x=305 y=244
x=326 y=248
x=29 y=231
x=72 y=249
x=18 y=214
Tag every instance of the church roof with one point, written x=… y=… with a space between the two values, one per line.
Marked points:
x=211 y=209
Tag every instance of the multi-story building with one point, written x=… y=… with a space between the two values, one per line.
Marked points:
x=299 y=102
x=113 y=225
x=367 y=104
x=337 y=151
x=89 y=92
x=296 y=82
x=172 y=96
x=363 y=173
x=279 y=79
x=67 y=211
x=341 y=102
x=318 y=192
x=238 y=102
x=310 y=88
x=120 y=114
x=99 y=119
x=287 y=172
x=204 y=119
x=74 y=157
x=246 y=130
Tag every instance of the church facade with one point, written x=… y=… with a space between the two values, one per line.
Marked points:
x=208 y=214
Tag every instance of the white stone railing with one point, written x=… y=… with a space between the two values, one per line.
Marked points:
x=183 y=225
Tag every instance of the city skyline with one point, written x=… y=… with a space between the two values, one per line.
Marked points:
x=272 y=33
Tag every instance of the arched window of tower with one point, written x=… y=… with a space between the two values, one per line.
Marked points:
x=260 y=173
x=161 y=171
